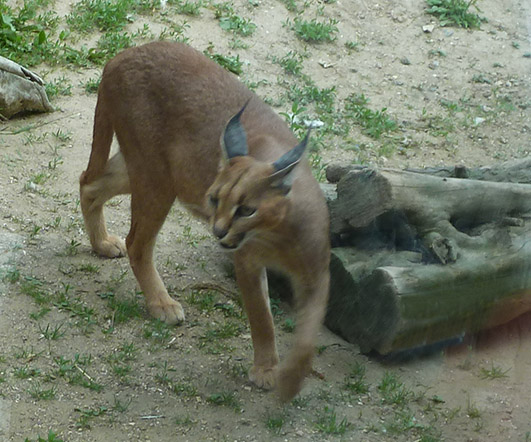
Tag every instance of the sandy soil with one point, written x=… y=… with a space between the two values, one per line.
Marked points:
x=72 y=363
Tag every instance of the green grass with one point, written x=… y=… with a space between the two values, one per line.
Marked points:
x=226 y=399
x=494 y=372
x=355 y=381
x=455 y=13
x=230 y=21
x=291 y=62
x=374 y=123
x=327 y=422
x=51 y=437
x=393 y=391
x=104 y=15
x=314 y=31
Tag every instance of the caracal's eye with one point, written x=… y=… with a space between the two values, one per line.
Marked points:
x=245 y=211
x=214 y=201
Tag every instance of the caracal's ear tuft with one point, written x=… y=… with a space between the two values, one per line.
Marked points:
x=234 y=139
x=282 y=176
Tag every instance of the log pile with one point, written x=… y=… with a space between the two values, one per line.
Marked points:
x=422 y=256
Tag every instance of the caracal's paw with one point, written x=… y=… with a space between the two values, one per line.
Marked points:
x=289 y=382
x=111 y=247
x=263 y=377
x=171 y=312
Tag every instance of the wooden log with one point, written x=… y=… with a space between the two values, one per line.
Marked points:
x=389 y=308
x=452 y=207
x=514 y=171
x=420 y=259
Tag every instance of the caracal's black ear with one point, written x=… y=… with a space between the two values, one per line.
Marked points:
x=282 y=176
x=234 y=139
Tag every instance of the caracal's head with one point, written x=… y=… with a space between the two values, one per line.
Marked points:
x=248 y=197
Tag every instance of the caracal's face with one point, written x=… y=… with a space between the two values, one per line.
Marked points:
x=242 y=203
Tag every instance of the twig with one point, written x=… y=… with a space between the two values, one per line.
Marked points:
x=83 y=372
x=35 y=126
x=208 y=286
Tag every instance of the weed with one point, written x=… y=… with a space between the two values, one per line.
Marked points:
x=493 y=373
x=58 y=87
x=327 y=423
x=91 y=85
x=288 y=325
x=455 y=13
x=374 y=123
x=124 y=309
x=36 y=391
x=34 y=288
x=157 y=330
x=187 y=7
x=50 y=438
x=11 y=275
x=120 y=406
x=352 y=45
x=355 y=382
x=26 y=372
x=185 y=421
x=393 y=391
x=105 y=15
x=314 y=31
x=472 y=411
x=51 y=333
x=231 y=63
x=87 y=415
x=229 y=21
x=275 y=424
x=291 y=62
x=72 y=248
x=226 y=399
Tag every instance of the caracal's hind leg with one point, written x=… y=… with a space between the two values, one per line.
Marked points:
x=114 y=181
x=252 y=281
x=148 y=212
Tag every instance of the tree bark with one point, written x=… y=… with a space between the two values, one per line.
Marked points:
x=419 y=259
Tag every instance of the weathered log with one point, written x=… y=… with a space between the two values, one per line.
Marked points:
x=424 y=258
x=388 y=304
x=20 y=90
x=515 y=171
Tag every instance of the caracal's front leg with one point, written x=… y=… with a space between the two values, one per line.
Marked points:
x=252 y=281
x=148 y=213
x=311 y=298
x=114 y=181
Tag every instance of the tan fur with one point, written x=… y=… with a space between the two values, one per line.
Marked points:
x=168 y=106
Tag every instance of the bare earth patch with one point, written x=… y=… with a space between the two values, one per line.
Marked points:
x=79 y=356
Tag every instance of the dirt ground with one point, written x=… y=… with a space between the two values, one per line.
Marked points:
x=79 y=355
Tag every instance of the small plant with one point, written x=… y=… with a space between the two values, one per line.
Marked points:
x=87 y=415
x=455 y=13
x=226 y=399
x=50 y=438
x=314 y=31
x=91 y=85
x=58 y=87
x=105 y=15
x=393 y=391
x=374 y=123
x=157 y=330
x=327 y=423
x=355 y=382
x=291 y=62
x=275 y=424
x=493 y=373
x=288 y=325
x=187 y=7
x=231 y=63
x=51 y=333
x=37 y=392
